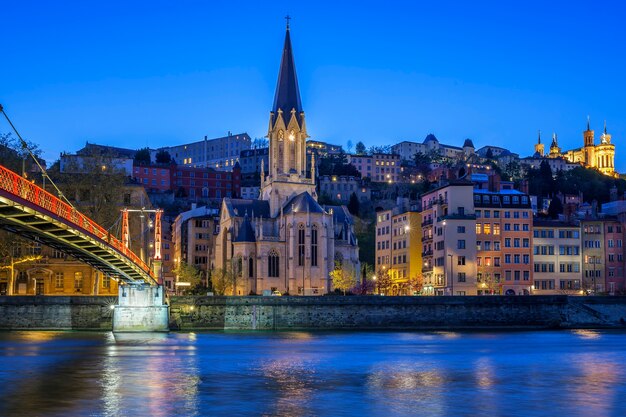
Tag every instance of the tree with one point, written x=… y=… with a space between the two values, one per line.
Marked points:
x=415 y=284
x=383 y=281
x=142 y=157
x=360 y=148
x=342 y=277
x=556 y=207
x=379 y=149
x=102 y=202
x=353 y=204
x=163 y=157
x=349 y=146
x=489 y=154
x=259 y=143
x=188 y=273
x=11 y=254
x=222 y=280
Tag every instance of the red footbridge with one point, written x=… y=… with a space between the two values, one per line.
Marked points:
x=35 y=214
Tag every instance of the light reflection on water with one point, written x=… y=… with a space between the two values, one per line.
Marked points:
x=578 y=373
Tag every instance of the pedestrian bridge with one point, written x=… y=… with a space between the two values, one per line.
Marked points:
x=35 y=214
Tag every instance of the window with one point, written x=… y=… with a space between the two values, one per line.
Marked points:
x=59 y=280
x=496 y=229
x=461 y=277
x=314 y=246
x=78 y=281
x=106 y=281
x=478 y=228
x=487 y=245
x=251 y=266
x=460 y=229
x=507 y=259
x=273 y=264
x=460 y=260
x=487 y=228
x=496 y=261
x=507 y=242
x=460 y=244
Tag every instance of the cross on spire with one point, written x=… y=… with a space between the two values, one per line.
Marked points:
x=287 y=19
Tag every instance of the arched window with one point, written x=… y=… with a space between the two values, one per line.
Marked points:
x=301 y=245
x=205 y=192
x=273 y=261
x=251 y=266
x=314 y=246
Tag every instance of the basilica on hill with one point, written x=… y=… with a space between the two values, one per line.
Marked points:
x=599 y=156
x=285 y=240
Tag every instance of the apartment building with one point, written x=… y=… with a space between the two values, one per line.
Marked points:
x=219 y=153
x=449 y=240
x=399 y=250
x=378 y=167
x=614 y=280
x=503 y=242
x=341 y=187
x=557 y=257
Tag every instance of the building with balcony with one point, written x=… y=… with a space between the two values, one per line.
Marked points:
x=449 y=233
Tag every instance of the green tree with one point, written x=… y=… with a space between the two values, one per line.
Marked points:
x=11 y=254
x=556 y=208
x=163 y=157
x=360 y=148
x=189 y=274
x=142 y=157
x=222 y=280
x=489 y=154
x=343 y=277
x=354 y=205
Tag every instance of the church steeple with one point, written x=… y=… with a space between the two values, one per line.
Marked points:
x=287 y=95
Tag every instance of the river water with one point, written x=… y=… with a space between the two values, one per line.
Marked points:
x=565 y=373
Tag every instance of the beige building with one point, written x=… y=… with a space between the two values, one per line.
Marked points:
x=449 y=240
x=341 y=187
x=556 y=258
x=399 y=251
x=285 y=241
x=379 y=167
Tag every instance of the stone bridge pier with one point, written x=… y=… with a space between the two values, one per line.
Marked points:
x=141 y=308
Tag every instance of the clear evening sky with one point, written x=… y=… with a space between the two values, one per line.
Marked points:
x=135 y=74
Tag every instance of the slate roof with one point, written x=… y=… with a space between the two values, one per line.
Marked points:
x=302 y=203
x=468 y=142
x=246 y=232
x=287 y=94
x=238 y=207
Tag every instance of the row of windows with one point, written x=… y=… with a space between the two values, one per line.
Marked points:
x=495 y=199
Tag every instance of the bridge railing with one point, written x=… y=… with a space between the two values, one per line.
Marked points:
x=21 y=187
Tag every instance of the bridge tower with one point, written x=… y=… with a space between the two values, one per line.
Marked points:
x=142 y=307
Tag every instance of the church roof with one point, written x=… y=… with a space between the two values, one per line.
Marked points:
x=430 y=137
x=246 y=232
x=239 y=207
x=287 y=94
x=303 y=202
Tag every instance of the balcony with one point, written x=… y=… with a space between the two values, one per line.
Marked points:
x=457 y=216
x=427 y=222
x=427 y=253
x=425 y=238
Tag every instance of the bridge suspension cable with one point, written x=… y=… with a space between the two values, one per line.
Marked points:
x=44 y=173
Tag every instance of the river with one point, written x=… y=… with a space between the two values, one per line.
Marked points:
x=524 y=373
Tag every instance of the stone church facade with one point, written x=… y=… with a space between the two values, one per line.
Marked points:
x=285 y=240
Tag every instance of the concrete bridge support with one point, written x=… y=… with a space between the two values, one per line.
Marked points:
x=141 y=308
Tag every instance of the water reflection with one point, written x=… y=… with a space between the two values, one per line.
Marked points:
x=303 y=373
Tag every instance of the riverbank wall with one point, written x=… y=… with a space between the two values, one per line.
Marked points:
x=326 y=313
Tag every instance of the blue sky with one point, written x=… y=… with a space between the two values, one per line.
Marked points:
x=137 y=74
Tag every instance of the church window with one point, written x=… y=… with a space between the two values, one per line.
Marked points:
x=314 y=246
x=301 y=245
x=251 y=266
x=273 y=264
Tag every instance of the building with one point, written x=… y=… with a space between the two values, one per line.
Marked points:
x=449 y=240
x=251 y=192
x=322 y=149
x=53 y=273
x=378 y=167
x=599 y=156
x=615 y=280
x=503 y=242
x=100 y=157
x=193 y=237
x=285 y=241
x=341 y=187
x=252 y=159
x=399 y=251
x=219 y=153
x=154 y=178
x=593 y=255
x=557 y=257
x=205 y=183
x=407 y=149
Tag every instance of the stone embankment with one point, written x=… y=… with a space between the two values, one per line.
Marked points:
x=326 y=313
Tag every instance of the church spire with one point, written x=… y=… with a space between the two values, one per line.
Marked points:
x=539 y=137
x=588 y=128
x=287 y=96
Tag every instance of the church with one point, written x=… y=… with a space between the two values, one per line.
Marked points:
x=285 y=240
x=599 y=156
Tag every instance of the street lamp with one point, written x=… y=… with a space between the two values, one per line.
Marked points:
x=377 y=290
x=451 y=274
